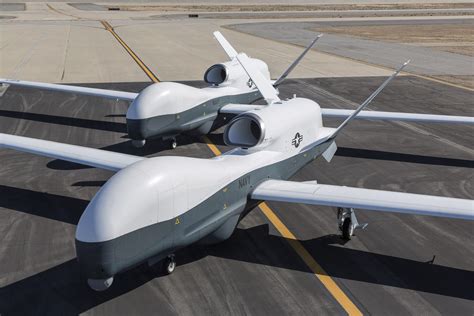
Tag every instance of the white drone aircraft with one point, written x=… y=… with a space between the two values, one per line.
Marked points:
x=167 y=109
x=154 y=206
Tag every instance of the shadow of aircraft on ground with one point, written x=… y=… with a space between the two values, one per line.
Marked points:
x=411 y=158
x=67 y=121
x=60 y=289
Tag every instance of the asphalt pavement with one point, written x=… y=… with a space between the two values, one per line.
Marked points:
x=424 y=60
x=400 y=264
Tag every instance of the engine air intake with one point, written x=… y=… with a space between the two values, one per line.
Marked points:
x=216 y=74
x=244 y=131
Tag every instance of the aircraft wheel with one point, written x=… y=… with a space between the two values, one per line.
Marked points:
x=138 y=143
x=347 y=229
x=173 y=143
x=100 y=285
x=169 y=264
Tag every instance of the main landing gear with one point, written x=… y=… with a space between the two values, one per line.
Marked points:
x=169 y=264
x=348 y=222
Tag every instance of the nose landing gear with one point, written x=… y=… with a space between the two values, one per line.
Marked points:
x=348 y=222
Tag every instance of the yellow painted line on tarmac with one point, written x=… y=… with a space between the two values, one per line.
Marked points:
x=140 y=63
x=318 y=271
x=297 y=246
x=404 y=73
x=441 y=81
x=211 y=146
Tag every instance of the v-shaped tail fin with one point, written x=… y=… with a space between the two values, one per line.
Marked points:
x=296 y=62
x=368 y=100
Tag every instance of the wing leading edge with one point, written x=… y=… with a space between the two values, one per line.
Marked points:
x=376 y=200
x=398 y=116
x=83 y=155
x=111 y=94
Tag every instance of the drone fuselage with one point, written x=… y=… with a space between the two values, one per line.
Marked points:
x=156 y=206
x=167 y=109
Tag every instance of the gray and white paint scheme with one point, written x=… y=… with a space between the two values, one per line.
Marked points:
x=154 y=206
x=167 y=109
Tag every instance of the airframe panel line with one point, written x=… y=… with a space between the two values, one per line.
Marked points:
x=318 y=271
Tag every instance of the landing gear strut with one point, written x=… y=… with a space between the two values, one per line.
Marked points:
x=347 y=221
x=169 y=264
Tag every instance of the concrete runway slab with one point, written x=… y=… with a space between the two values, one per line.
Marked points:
x=83 y=51
x=64 y=52
x=12 y=7
x=383 y=269
x=425 y=61
x=201 y=50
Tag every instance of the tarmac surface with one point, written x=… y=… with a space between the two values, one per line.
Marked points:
x=400 y=265
x=424 y=61
x=12 y=7
x=384 y=269
x=84 y=52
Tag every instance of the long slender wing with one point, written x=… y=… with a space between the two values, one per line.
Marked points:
x=296 y=62
x=83 y=155
x=112 y=94
x=398 y=116
x=376 y=200
x=230 y=51
x=269 y=93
